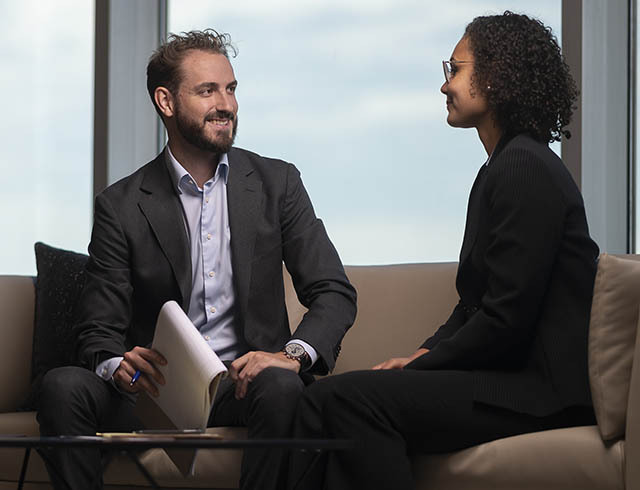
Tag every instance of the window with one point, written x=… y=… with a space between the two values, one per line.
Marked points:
x=47 y=84
x=349 y=92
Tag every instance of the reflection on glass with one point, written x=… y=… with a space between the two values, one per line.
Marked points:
x=349 y=92
x=47 y=83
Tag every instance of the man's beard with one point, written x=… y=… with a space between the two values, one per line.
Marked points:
x=195 y=133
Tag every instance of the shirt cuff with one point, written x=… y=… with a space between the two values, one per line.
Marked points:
x=313 y=355
x=106 y=368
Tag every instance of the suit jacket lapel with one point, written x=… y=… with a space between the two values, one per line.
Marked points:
x=245 y=200
x=161 y=206
x=475 y=202
x=473 y=215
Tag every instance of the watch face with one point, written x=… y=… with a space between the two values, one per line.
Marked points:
x=295 y=350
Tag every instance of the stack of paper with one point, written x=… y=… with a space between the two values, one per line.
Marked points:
x=192 y=374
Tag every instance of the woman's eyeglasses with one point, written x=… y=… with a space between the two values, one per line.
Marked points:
x=450 y=69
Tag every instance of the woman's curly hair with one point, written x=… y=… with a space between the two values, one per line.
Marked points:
x=518 y=67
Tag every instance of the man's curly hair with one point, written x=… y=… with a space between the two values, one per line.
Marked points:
x=163 y=69
x=518 y=67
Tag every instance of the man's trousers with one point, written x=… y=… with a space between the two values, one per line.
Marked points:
x=76 y=401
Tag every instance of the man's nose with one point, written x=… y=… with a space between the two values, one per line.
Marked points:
x=225 y=102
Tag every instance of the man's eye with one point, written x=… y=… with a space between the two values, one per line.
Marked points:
x=231 y=90
x=454 y=69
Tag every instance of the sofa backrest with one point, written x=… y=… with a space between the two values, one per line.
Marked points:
x=612 y=339
x=399 y=307
x=17 y=300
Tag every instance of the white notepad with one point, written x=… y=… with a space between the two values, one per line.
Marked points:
x=192 y=374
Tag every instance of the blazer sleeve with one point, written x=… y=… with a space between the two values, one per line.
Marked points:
x=453 y=323
x=526 y=212
x=104 y=309
x=318 y=275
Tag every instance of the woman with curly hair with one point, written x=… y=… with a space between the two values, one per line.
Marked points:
x=512 y=357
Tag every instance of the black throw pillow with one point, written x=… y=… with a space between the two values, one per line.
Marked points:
x=61 y=277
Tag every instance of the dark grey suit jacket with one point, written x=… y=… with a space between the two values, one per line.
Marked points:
x=525 y=279
x=139 y=259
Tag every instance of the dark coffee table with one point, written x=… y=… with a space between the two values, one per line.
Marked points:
x=131 y=446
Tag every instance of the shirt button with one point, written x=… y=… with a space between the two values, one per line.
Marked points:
x=104 y=371
x=208 y=236
x=206 y=200
x=211 y=274
x=212 y=309
x=207 y=338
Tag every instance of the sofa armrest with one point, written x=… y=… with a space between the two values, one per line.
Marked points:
x=17 y=306
x=632 y=432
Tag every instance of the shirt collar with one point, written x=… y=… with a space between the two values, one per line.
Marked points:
x=178 y=173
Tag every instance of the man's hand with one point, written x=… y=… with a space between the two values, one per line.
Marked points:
x=244 y=369
x=143 y=360
x=400 y=362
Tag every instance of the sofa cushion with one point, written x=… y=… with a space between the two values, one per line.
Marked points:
x=59 y=283
x=560 y=459
x=612 y=332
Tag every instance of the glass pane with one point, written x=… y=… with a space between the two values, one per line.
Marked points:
x=47 y=81
x=635 y=199
x=349 y=92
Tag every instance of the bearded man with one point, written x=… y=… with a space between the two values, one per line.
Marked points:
x=209 y=226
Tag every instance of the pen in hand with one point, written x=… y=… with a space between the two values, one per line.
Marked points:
x=135 y=378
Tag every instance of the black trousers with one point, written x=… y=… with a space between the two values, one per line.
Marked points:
x=75 y=401
x=393 y=413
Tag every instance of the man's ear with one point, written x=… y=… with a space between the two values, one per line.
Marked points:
x=164 y=101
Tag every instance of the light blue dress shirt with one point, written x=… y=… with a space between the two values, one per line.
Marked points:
x=206 y=219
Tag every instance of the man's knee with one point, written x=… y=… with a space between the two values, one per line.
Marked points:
x=63 y=392
x=277 y=383
x=276 y=392
x=61 y=385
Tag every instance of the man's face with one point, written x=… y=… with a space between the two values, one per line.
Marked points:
x=206 y=110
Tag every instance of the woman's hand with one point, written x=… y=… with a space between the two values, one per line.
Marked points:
x=400 y=362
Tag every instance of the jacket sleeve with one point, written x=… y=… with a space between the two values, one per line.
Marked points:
x=450 y=327
x=318 y=275
x=526 y=212
x=104 y=310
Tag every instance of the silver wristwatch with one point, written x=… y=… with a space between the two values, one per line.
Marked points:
x=297 y=352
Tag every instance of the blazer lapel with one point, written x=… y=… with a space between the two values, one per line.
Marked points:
x=245 y=200
x=161 y=206
x=475 y=201
x=473 y=215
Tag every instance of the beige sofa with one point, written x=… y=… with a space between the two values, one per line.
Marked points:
x=399 y=306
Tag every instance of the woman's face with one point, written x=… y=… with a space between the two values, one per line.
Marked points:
x=466 y=104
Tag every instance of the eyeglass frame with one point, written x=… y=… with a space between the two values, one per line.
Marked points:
x=447 y=68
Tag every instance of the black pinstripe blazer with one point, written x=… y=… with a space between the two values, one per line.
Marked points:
x=525 y=280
